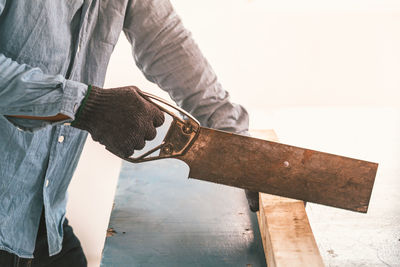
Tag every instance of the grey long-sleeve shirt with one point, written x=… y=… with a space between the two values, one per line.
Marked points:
x=49 y=52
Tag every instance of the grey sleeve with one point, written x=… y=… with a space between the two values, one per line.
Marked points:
x=25 y=90
x=168 y=56
x=28 y=91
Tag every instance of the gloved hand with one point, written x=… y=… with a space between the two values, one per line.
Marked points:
x=253 y=200
x=118 y=118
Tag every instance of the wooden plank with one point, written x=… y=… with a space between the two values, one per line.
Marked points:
x=161 y=218
x=286 y=233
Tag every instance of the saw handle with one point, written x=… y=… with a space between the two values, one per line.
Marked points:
x=180 y=136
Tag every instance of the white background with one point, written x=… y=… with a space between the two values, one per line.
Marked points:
x=285 y=53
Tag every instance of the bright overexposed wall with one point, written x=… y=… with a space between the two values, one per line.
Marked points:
x=270 y=55
x=284 y=53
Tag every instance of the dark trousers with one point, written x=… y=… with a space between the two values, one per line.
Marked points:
x=71 y=254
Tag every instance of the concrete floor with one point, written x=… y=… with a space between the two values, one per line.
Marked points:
x=344 y=238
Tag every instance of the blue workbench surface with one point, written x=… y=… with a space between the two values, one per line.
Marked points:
x=161 y=218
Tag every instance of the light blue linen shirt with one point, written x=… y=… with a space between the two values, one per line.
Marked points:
x=49 y=52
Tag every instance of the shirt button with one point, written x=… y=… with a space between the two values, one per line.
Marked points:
x=67 y=124
x=61 y=139
x=75 y=108
x=47 y=183
x=79 y=49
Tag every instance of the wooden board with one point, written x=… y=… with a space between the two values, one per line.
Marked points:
x=286 y=233
x=163 y=219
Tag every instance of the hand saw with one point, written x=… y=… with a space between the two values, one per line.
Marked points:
x=263 y=166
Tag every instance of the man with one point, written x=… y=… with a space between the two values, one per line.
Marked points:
x=53 y=59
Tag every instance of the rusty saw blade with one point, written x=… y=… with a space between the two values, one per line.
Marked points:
x=265 y=166
x=281 y=170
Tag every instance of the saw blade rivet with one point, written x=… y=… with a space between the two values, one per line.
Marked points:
x=187 y=129
x=286 y=163
x=167 y=149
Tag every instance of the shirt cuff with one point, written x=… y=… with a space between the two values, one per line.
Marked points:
x=74 y=93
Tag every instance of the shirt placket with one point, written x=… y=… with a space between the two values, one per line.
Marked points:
x=60 y=129
x=61 y=140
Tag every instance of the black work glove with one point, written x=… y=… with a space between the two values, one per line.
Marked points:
x=118 y=118
x=253 y=200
